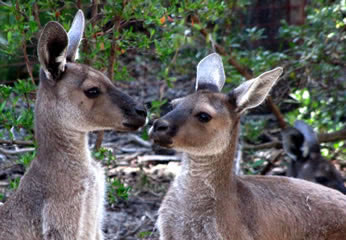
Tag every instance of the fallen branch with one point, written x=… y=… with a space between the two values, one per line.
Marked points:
x=17 y=142
x=126 y=149
x=274 y=144
x=271 y=162
x=14 y=152
x=139 y=140
x=127 y=157
x=158 y=158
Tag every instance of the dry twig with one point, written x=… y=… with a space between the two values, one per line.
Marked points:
x=17 y=151
x=158 y=158
x=16 y=142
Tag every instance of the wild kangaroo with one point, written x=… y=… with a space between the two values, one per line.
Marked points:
x=301 y=145
x=207 y=200
x=61 y=196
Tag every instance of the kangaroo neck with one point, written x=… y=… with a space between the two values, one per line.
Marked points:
x=60 y=147
x=213 y=173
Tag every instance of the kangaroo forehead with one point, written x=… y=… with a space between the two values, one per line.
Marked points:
x=203 y=97
x=85 y=72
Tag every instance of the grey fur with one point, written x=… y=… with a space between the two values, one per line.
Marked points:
x=208 y=201
x=61 y=196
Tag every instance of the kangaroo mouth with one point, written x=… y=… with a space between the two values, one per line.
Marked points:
x=162 y=141
x=133 y=126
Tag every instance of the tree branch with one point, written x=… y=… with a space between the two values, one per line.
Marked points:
x=25 y=53
x=322 y=137
x=333 y=136
x=110 y=72
x=17 y=142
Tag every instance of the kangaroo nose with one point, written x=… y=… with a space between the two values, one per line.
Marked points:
x=160 y=125
x=140 y=110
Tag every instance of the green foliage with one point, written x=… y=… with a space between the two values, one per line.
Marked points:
x=105 y=155
x=26 y=158
x=12 y=115
x=253 y=168
x=116 y=191
x=253 y=128
x=166 y=39
x=144 y=234
x=321 y=115
x=14 y=183
x=156 y=106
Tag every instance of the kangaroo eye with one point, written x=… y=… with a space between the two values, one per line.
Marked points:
x=203 y=117
x=92 y=92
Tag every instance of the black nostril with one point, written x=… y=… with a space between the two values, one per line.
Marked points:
x=160 y=126
x=141 y=111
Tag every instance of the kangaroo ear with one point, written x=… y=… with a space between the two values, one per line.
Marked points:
x=75 y=35
x=210 y=73
x=252 y=93
x=293 y=142
x=52 y=48
x=311 y=140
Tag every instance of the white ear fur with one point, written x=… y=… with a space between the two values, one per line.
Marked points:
x=253 y=92
x=210 y=72
x=310 y=136
x=75 y=35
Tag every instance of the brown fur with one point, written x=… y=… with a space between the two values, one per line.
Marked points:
x=208 y=201
x=61 y=196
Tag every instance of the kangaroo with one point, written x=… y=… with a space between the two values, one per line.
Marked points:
x=207 y=200
x=61 y=196
x=301 y=145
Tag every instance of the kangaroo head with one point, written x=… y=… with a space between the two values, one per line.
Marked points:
x=202 y=123
x=302 y=146
x=77 y=96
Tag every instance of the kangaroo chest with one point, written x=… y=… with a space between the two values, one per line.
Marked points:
x=93 y=201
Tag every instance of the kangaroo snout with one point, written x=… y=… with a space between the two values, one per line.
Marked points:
x=160 y=133
x=136 y=118
x=141 y=111
x=160 y=126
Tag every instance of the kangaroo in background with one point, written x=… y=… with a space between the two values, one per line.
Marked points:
x=302 y=146
x=61 y=196
x=207 y=200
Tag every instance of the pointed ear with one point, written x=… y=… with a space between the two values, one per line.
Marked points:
x=252 y=93
x=293 y=142
x=75 y=35
x=210 y=73
x=311 y=139
x=51 y=50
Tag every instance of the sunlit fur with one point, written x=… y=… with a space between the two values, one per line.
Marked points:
x=61 y=196
x=208 y=201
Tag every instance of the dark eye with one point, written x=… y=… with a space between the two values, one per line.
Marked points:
x=92 y=92
x=203 y=117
